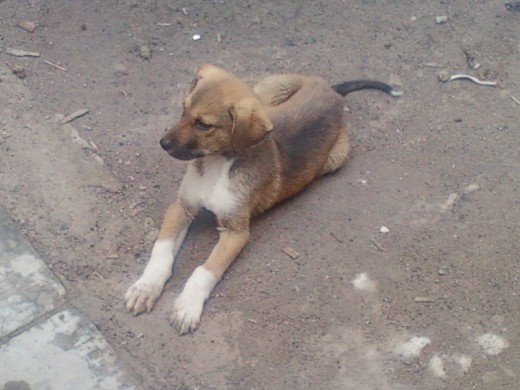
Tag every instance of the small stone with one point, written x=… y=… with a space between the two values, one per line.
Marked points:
x=443 y=76
x=19 y=72
x=384 y=230
x=120 y=70
x=144 y=52
x=27 y=25
x=441 y=19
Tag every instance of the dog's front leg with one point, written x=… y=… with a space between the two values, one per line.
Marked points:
x=189 y=304
x=142 y=294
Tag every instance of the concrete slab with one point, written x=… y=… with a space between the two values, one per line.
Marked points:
x=63 y=352
x=28 y=289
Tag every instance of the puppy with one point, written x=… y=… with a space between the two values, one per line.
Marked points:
x=248 y=149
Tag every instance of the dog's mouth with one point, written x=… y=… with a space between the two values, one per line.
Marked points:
x=179 y=151
x=185 y=154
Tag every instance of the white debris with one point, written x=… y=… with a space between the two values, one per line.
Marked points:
x=363 y=282
x=441 y=19
x=492 y=344
x=464 y=361
x=471 y=188
x=413 y=347
x=436 y=366
x=384 y=230
x=196 y=37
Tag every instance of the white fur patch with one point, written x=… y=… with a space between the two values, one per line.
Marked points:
x=492 y=344
x=211 y=189
x=189 y=304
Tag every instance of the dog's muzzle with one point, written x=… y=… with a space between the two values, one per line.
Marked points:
x=181 y=152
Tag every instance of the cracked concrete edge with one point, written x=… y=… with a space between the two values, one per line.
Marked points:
x=28 y=288
x=63 y=352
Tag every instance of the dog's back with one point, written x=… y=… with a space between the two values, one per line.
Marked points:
x=307 y=116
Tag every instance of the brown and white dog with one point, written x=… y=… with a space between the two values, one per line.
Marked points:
x=249 y=148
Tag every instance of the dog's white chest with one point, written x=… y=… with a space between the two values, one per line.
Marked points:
x=210 y=188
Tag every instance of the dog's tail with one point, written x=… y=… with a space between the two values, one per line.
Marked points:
x=357 y=85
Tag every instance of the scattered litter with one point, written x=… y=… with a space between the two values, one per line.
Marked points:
x=27 y=25
x=196 y=37
x=363 y=282
x=492 y=344
x=424 y=299
x=164 y=24
x=452 y=198
x=515 y=100
x=252 y=321
x=432 y=65
x=21 y=53
x=413 y=347
x=436 y=366
x=513 y=6
x=441 y=19
x=470 y=188
x=98 y=275
x=472 y=78
x=384 y=230
x=55 y=65
x=290 y=252
x=441 y=272
x=75 y=115
x=112 y=256
x=144 y=52
x=184 y=11
x=139 y=335
x=219 y=38
x=363 y=181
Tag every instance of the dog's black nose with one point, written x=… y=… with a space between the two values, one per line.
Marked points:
x=166 y=143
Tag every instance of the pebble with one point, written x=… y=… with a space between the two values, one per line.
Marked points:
x=144 y=52
x=443 y=76
x=27 y=25
x=441 y=19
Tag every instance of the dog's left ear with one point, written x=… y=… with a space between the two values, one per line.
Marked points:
x=250 y=123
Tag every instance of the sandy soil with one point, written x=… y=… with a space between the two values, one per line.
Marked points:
x=438 y=167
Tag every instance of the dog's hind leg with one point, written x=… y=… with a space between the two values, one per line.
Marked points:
x=338 y=154
x=142 y=294
x=276 y=89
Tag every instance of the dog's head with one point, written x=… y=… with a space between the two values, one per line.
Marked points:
x=221 y=115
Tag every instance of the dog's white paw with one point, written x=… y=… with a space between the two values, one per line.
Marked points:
x=186 y=313
x=141 y=296
x=188 y=306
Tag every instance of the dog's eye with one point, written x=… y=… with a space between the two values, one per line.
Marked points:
x=202 y=126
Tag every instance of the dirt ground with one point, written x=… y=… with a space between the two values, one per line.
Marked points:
x=435 y=304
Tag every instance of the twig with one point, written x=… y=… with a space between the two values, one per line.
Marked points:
x=471 y=78
x=54 y=65
x=376 y=244
x=336 y=237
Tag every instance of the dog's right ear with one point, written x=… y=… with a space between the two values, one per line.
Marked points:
x=250 y=123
